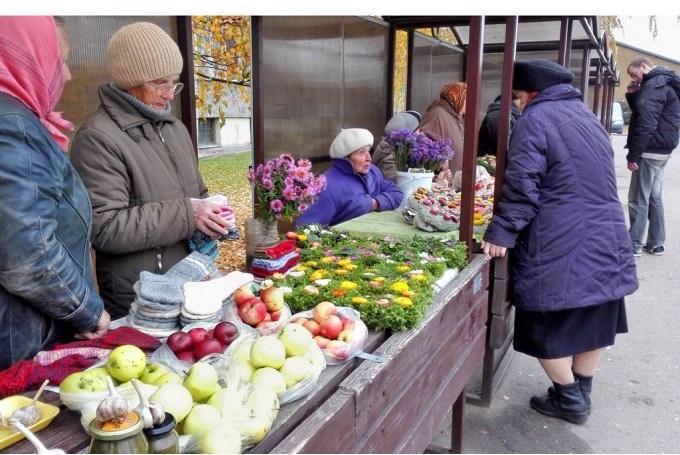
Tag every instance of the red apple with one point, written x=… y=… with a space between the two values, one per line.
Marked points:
x=322 y=342
x=179 y=342
x=272 y=298
x=324 y=309
x=313 y=327
x=225 y=332
x=299 y=320
x=346 y=335
x=330 y=327
x=198 y=334
x=275 y=315
x=252 y=312
x=242 y=294
x=347 y=323
x=338 y=348
x=207 y=346
x=187 y=356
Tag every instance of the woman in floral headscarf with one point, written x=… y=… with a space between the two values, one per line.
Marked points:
x=445 y=118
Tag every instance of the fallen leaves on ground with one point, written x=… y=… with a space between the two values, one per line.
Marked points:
x=227 y=175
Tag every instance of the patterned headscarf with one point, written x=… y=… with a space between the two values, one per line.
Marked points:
x=455 y=93
x=31 y=69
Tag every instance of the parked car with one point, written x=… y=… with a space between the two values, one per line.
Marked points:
x=617 y=118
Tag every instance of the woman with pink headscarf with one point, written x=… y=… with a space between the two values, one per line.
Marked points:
x=47 y=290
x=445 y=118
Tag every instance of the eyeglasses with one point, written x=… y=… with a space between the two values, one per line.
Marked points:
x=162 y=89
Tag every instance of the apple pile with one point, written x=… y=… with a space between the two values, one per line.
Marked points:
x=198 y=342
x=330 y=330
x=280 y=362
x=258 y=311
x=224 y=419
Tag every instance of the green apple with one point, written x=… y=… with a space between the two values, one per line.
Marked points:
x=228 y=400
x=295 y=338
x=80 y=382
x=221 y=438
x=101 y=373
x=168 y=377
x=152 y=372
x=175 y=399
x=315 y=355
x=267 y=351
x=295 y=369
x=200 y=418
x=253 y=423
x=269 y=377
x=201 y=381
x=264 y=399
x=246 y=369
x=242 y=350
x=126 y=362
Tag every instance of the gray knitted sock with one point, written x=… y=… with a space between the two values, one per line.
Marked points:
x=167 y=288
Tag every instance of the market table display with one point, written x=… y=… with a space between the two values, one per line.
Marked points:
x=431 y=333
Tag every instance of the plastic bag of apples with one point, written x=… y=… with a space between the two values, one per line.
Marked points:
x=259 y=306
x=338 y=331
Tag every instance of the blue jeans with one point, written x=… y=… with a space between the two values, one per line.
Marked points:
x=645 y=203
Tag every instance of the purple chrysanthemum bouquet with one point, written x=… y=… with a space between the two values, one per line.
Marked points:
x=285 y=187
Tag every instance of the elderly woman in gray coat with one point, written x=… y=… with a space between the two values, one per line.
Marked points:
x=140 y=167
x=572 y=262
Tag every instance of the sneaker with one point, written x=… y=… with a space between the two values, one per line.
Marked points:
x=656 y=250
x=637 y=253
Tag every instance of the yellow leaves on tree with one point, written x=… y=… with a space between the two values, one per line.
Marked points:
x=221 y=61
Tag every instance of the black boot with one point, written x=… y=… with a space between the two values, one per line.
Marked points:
x=567 y=403
x=585 y=383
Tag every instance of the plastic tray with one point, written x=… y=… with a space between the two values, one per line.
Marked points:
x=8 y=405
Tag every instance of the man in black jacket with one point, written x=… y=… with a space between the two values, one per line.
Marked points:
x=488 y=131
x=652 y=135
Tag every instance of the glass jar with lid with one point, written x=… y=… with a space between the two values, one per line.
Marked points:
x=119 y=436
x=163 y=438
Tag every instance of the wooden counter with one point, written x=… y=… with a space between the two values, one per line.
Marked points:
x=363 y=406
x=397 y=406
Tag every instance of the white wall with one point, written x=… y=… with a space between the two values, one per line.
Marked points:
x=236 y=131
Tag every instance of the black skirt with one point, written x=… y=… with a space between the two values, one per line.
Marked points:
x=558 y=334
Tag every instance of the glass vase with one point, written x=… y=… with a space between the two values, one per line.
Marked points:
x=259 y=236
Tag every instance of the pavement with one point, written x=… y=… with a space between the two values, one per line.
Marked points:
x=636 y=390
x=211 y=152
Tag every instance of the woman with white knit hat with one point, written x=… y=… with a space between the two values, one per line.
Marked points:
x=140 y=167
x=354 y=186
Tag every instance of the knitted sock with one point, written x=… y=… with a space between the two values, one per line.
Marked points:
x=203 y=244
x=206 y=297
x=263 y=273
x=195 y=267
x=161 y=290
x=273 y=264
x=281 y=249
x=185 y=320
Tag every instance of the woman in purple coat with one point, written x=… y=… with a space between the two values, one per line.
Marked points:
x=572 y=262
x=354 y=186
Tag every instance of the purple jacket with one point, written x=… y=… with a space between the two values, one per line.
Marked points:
x=348 y=195
x=560 y=210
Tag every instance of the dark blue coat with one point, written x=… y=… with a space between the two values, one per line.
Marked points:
x=560 y=210
x=656 y=115
x=348 y=195
x=47 y=288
